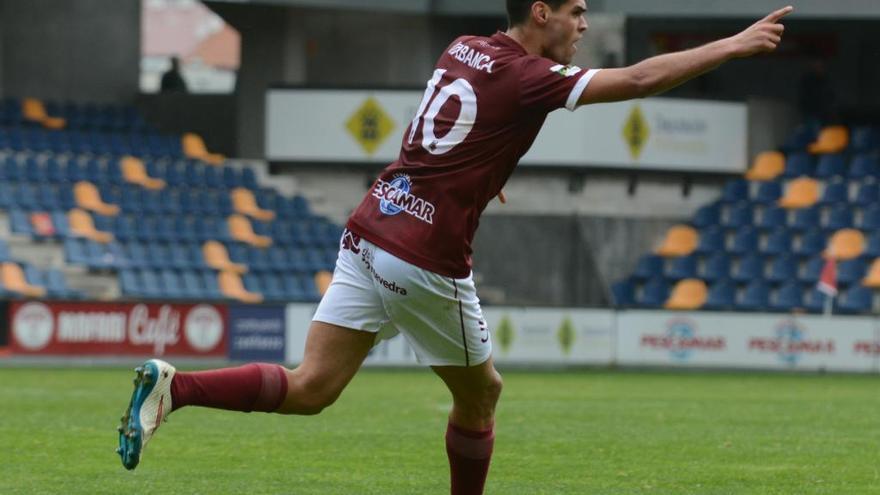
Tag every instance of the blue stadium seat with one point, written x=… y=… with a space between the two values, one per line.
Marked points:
x=755 y=297
x=273 y=289
x=152 y=204
x=47 y=197
x=722 y=296
x=805 y=218
x=278 y=259
x=6 y=200
x=130 y=283
x=65 y=196
x=778 y=241
x=739 y=215
x=867 y=194
x=151 y=285
x=851 y=272
x=734 y=191
x=249 y=179
x=745 y=241
x=192 y=285
x=653 y=294
x=253 y=283
x=124 y=228
x=166 y=229
x=872 y=245
x=56 y=286
x=159 y=255
x=831 y=165
x=716 y=267
x=25 y=196
x=835 y=193
x=815 y=301
x=75 y=251
x=137 y=254
x=293 y=290
x=258 y=259
x=20 y=223
x=172 y=284
x=231 y=177
x=184 y=227
x=864 y=166
x=623 y=294
x=4 y=251
x=196 y=255
x=238 y=252
x=307 y=282
x=678 y=268
x=857 y=300
x=797 y=165
x=789 y=297
x=180 y=257
x=783 y=268
x=649 y=266
x=213 y=178
x=840 y=217
x=282 y=233
x=870 y=218
x=768 y=192
x=812 y=270
x=864 y=139
x=811 y=242
x=211 y=286
x=749 y=268
x=169 y=201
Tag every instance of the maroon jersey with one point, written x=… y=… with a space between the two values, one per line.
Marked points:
x=481 y=112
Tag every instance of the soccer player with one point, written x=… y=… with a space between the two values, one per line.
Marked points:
x=405 y=259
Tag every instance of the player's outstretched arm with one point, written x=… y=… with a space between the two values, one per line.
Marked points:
x=664 y=72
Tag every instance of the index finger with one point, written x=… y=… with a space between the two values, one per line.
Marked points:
x=779 y=14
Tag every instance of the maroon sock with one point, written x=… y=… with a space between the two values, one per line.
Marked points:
x=469 y=455
x=254 y=387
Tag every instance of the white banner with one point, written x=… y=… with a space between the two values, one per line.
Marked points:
x=367 y=127
x=737 y=340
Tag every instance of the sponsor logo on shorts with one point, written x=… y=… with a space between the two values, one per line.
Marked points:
x=367 y=257
x=395 y=197
x=351 y=241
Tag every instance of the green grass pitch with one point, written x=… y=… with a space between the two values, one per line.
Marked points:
x=558 y=433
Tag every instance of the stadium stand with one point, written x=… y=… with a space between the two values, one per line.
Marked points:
x=763 y=244
x=170 y=219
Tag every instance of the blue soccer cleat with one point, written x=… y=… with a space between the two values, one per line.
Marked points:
x=150 y=404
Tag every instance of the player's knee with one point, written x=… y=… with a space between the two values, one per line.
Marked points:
x=310 y=394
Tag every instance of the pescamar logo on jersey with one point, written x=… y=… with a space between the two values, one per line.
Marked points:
x=565 y=70
x=395 y=197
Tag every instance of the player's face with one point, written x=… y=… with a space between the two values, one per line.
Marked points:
x=564 y=29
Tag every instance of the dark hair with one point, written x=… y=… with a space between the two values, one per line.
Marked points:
x=518 y=10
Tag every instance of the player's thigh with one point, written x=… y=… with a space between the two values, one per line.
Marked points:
x=439 y=316
x=333 y=355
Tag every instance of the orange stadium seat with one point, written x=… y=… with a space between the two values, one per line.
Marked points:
x=194 y=147
x=245 y=203
x=134 y=172
x=88 y=198
x=81 y=225
x=688 y=294
x=833 y=139
x=241 y=230
x=232 y=287
x=33 y=109
x=801 y=193
x=681 y=240
x=322 y=281
x=217 y=257
x=15 y=281
x=767 y=166
x=872 y=279
x=846 y=244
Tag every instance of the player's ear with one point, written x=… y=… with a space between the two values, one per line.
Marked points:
x=540 y=12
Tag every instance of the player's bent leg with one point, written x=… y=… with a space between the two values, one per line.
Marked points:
x=470 y=435
x=332 y=357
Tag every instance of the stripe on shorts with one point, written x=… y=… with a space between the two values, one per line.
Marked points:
x=467 y=356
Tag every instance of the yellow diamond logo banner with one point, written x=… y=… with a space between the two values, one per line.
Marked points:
x=636 y=132
x=370 y=125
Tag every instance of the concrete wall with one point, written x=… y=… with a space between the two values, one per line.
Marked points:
x=82 y=50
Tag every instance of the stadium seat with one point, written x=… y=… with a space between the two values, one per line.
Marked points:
x=716 y=267
x=240 y=229
x=216 y=257
x=801 y=193
x=789 y=297
x=835 y=193
x=88 y=198
x=798 y=165
x=812 y=269
x=870 y=218
x=712 y=239
x=755 y=297
x=872 y=245
x=81 y=225
x=805 y=219
x=864 y=139
x=721 y=297
x=130 y=283
x=739 y=215
x=851 y=271
x=801 y=137
x=748 y=269
x=172 y=284
x=856 y=300
x=653 y=294
x=151 y=285
x=687 y=295
x=707 y=216
x=831 y=165
x=872 y=279
x=745 y=241
x=34 y=110
x=840 y=217
x=192 y=286
x=867 y=194
x=56 y=286
x=75 y=251
x=623 y=294
x=767 y=166
x=778 y=241
x=734 y=191
x=864 y=166
x=245 y=203
x=832 y=139
x=768 y=192
x=782 y=269
x=14 y=281
x=846 y=244
x=232 y=287
x=194 y=147
x=816 y=300
x=810 y=243
x=134 y=172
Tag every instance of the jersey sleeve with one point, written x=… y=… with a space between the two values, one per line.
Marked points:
x=546 y=85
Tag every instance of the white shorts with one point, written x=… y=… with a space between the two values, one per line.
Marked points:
x=374 y=291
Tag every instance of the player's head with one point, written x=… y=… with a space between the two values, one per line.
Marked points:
x=560 y=24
